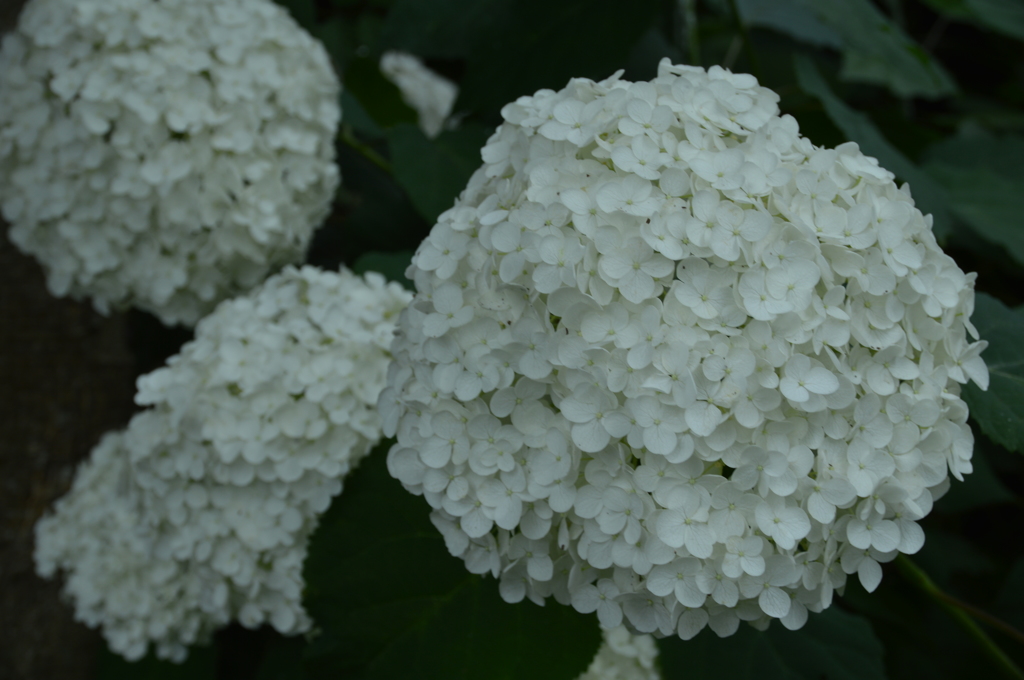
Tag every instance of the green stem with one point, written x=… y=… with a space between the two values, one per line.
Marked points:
x=692 y=34
x=748 y=46
x=962 y=612
x=349 y=138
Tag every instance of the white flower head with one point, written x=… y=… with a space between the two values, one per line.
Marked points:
x=201 y=511
x=166 y=155
x=675 y=364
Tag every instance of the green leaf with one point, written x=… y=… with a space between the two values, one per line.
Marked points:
x=282 y=660
x=979 y=489
x=792 y=17
x=444 y=29
x=833 y=645
x=516 y=47
x=544 y=44
x=1010 y=601
x=372 y=213
x=947 y=557
x=1005 y=16
x=378 y=96
x=983 y=178
x=391 y=265
x=877 y=51
x=1002 y=16
x=334 y=34
x=354 y=114
x=435 y=171
x=954 y=9
x=999 y=411
x=928 y=194
x=391 y=602
x=201 y=664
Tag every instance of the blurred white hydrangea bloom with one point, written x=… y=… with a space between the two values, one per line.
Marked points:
x=164 y=154
x=670 y=362
x=200 y=512
x=623 y=656
x=432 y=96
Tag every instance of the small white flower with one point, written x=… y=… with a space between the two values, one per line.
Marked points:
x=432 y=96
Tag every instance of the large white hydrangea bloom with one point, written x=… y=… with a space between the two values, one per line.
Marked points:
x=431 y=95
x=165 y=154
x=670 y=362
x=200 y=512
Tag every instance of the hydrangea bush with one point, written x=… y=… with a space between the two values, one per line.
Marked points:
x=671 y=362
x=200 y=513
x=164 y=154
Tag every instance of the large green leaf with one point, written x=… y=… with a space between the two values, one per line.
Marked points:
x=982 y=487
x=375 y=214
x=516 y=47
x=435 y=171
x=1003 y=16
x=833 y=645
x=792 y=17
x=999 y=411
x=875 y=50
x=379 y=97
x=445 y=29
x=983 y=180
x=928 y=194
x=1009 y=604
x=282 y=660
x=544 y=44
x=390 y=602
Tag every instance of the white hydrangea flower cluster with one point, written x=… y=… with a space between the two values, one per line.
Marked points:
x=119 y=574
x=623 y=656
x=201 y=512
x=432 y=96
x=165 y=154
x=670 y=362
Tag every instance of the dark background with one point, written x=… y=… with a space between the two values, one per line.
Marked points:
x=66 y=376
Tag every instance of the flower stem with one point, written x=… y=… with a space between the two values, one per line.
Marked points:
x=962 y=613
x=349 y=138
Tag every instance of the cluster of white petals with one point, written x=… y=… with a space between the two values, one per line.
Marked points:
x=670 y=362
x=200 y=513
x=623 y=656
x=432 y=96
x=165 y=154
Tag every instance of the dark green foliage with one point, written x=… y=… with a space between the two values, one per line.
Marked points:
x=514 y=47
x=834 y=645
x=983 y=179
x=859 y=128
x=201 y=664
x=1000 y=410
x=434 y=171
x=391 y=602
